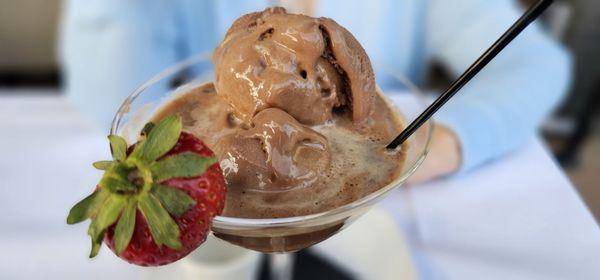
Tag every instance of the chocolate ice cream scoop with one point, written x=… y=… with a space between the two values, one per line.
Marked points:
x=276 y=153
x=294 y=117
x=307 y=67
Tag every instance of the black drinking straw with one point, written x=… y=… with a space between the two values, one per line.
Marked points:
x=530 y=15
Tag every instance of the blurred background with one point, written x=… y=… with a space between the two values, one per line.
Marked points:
x=31 y=80
x=28 y=66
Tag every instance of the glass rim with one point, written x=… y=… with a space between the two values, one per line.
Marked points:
x=257 y=223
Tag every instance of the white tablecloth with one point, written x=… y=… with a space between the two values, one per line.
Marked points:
x=518 y=218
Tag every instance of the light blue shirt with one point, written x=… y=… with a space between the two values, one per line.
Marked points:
x=111 y=46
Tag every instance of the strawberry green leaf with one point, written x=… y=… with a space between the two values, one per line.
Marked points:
x=87 y=207
x=96 y=243
x=163 y=228
x=181 y=166
x=125 y=226
x=103 y=164
x=118 y=147
x=159 y=141
x=175 y=201
x=147 y=128
x=107 y=215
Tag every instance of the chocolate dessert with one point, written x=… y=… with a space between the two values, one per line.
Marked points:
x=294 y=117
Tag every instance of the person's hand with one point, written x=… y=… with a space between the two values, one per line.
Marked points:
x=444 y=156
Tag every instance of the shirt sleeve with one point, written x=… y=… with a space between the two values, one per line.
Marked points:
x=109 y=47
x=502 y=107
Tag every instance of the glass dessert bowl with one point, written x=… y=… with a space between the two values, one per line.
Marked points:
x=270 y=235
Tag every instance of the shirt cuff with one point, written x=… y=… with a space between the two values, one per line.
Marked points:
x=470 y=122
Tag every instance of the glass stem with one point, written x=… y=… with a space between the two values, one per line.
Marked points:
x=281 y=265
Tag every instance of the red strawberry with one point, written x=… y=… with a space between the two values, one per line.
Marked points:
x=164 y=190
